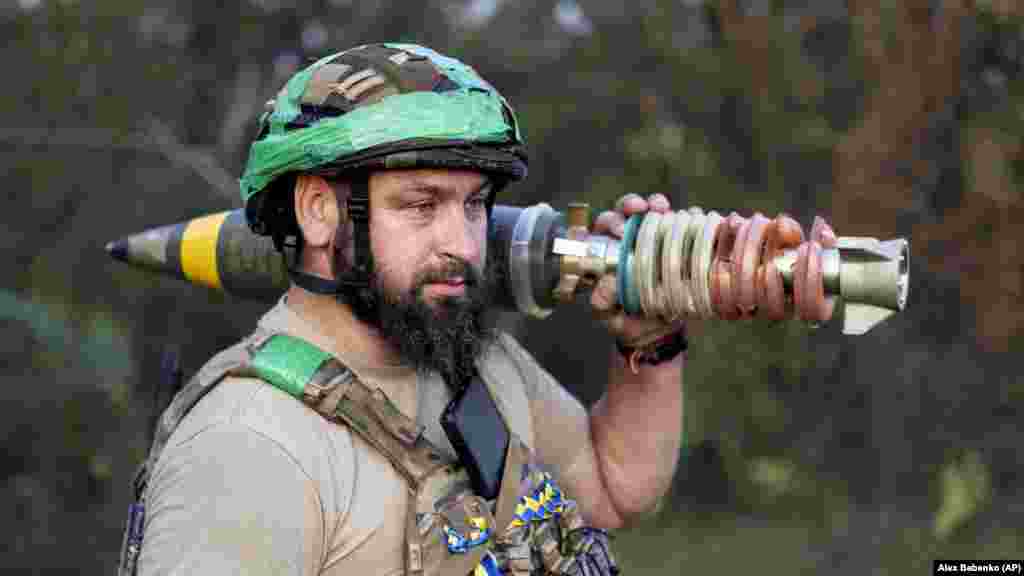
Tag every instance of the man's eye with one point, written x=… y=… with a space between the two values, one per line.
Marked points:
x=425 y=207
x=478 y=203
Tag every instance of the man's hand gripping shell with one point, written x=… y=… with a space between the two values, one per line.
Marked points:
x=743 y=281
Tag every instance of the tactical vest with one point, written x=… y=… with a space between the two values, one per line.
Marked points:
x=449 y=530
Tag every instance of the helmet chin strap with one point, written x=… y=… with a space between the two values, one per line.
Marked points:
x=358 y=204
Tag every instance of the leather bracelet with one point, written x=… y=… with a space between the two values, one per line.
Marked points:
x=661 y=350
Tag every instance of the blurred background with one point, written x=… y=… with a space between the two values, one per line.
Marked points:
x=805 y=451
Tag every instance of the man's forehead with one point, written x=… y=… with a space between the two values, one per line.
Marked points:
x=438 y=179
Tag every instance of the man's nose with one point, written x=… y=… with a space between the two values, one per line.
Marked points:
x=458 y=237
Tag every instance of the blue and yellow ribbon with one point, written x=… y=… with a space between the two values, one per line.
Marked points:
x=545 y=502
x=488 y=566
x=459 y=543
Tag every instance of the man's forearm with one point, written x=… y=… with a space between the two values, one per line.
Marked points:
x=636 y=428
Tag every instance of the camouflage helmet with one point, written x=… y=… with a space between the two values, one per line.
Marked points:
x=380 y=106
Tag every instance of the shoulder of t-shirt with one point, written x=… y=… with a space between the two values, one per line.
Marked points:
x=322 y=449
x=213 y=494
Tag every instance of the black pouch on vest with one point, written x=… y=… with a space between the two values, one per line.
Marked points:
x=479 y=435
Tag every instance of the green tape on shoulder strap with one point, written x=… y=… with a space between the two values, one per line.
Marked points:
x=287 y=363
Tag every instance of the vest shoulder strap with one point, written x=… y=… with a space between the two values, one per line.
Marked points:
x=323 y=383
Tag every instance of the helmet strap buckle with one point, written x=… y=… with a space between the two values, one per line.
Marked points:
x=358 y=205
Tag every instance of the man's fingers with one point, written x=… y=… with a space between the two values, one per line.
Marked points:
x=604 y=304
x=604 y=298
x=610 y=223
x=631 y=204
x=613 y=222
x=658 y=203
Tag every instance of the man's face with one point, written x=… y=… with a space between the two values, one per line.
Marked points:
x=429 y=286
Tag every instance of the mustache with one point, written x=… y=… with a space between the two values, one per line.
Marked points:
x=451 y=270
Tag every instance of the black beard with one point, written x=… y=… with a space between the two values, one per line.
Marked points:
x=447 y=338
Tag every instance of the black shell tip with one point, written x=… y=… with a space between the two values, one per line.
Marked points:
x=118 y=249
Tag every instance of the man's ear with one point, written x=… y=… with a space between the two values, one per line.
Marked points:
x=316 y=210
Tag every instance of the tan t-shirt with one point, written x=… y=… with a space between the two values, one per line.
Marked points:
x=254 y=482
